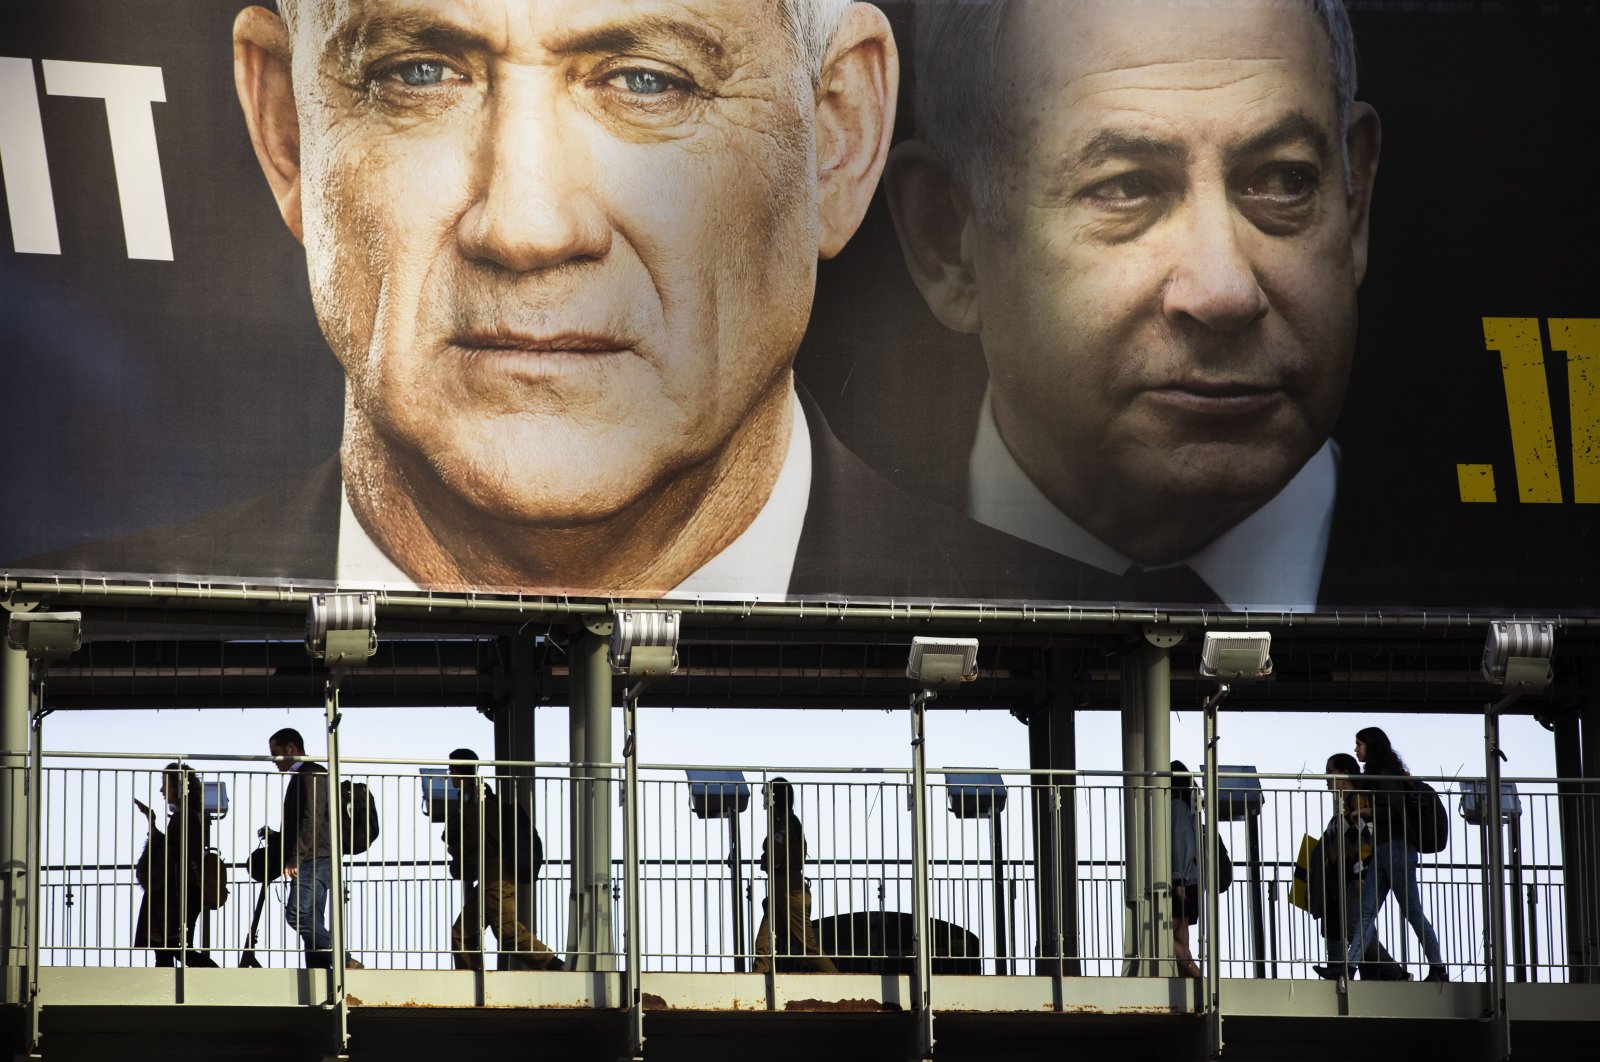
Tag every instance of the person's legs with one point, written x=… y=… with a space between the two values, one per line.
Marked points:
x=763 y=948
x=1185 y=902
x=194 y=956
x=804 y=935
x=501 y=912
x=1409 y=891
x=466 y=935
x=304 y=905
x=1376 y=881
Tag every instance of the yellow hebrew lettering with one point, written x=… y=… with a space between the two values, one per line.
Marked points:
x=1580 y=338
x=1477 y=482
x=1533 y=437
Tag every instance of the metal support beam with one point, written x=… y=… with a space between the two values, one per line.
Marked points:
x=1577 y=824
x=1212 y=1003
x=922 y=990
x=1147 y=815
x=590 y=940
x=514 y=740
x=35 y=848
x=1495 y=881
x=336 y=976
x=1052 y=746
x=13 y=810
x=633 y=979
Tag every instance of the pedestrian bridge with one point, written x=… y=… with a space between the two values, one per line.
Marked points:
x=1050 y=921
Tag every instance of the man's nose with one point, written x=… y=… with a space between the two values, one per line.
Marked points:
x=1214 y=281
x=535 y=205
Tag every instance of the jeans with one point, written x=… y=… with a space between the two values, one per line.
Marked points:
x=1393 y=870
x=304 y=907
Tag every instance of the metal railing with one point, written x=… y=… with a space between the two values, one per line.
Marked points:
x=704 y=872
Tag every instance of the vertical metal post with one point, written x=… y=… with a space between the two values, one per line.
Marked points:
x=1258 y=932
x=998 y=873
x=35 y=840
x=634 y=975
x=736 y=873
x=1156 y=663
x=514 y=740
x=1494 y=874
x=336 y=976
x=1052 y=746
x=1576 y=815
x=1137 y=945
x=1519 y=945
x=591 y=940
x=14 y=868
x=922 y=993
x=1213 y=1000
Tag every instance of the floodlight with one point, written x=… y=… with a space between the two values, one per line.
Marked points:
x=214 y=800
x=1240 y=797
x=975 y=796
x=437 y=793
x=45 y=635
x=1475 y=801
x=1236 y=656
x=1517 y=654
x=645 y=642
x=342 y=629
x=942 y=661
x=717 y=794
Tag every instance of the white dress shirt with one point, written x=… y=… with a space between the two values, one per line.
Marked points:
x=1270 y=560
x=756 y=565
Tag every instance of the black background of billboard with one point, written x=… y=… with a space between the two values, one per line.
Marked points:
x=141 y=392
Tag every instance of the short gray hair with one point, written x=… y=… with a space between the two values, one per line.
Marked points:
x=809 y=24
x=962 y=116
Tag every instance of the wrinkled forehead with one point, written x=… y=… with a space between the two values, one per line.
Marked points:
x=1077 y=51
x=499 y=22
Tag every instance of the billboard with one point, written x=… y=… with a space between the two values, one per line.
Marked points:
x=1229 y=305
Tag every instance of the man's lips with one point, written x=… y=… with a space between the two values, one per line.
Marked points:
x=1216 y=397
x=557 y=343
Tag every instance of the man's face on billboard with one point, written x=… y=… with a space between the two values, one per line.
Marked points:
x=1168 y=309
x=563 y=249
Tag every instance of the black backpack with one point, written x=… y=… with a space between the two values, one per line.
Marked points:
x=1427 y=822
x=521 y=850
x=360 y=817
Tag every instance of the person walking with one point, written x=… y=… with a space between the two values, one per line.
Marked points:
x=1394 y=855
x=169 y=871
x=786 y=912
x=307 y=847
x=1185 y=869
x=1341 y=864
x=475 y=837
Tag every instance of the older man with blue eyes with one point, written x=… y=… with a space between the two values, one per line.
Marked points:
x=565 y=252
x=1154 y=216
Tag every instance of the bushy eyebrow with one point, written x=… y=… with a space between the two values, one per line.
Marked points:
x=1109 y=144
x=1296 y=127
x=350 y=40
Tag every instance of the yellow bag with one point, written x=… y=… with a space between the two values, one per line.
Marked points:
x=1300 y=887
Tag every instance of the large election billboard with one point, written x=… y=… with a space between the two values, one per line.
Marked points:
x=1232 y=304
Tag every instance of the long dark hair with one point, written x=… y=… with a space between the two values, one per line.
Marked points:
x=1182 y=788
x=1382 y=759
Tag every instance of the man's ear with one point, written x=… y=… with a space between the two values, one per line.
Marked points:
x=261 y=74
x=934 y=224
x=1363 y=140
x=855 y=121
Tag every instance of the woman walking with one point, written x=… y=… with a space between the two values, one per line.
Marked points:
x=1394 y=855
x=169 y=871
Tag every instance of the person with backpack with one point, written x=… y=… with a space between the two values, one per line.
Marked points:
x=169 y=871
x=1336 y=871
x=786 y=912
x=1397 y=828
x=492 y=863
x=307 y=847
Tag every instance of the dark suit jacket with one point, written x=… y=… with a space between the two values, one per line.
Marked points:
x=863 y=537
x=307 y=827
